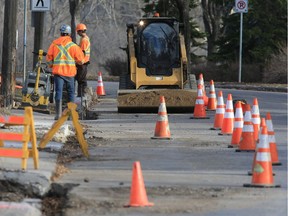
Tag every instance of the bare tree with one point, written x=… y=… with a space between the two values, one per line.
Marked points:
x=183 y=7
x=212 y=18
x=74 y=8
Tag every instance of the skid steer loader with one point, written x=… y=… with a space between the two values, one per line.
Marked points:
x=157 y=65
x=37 y=91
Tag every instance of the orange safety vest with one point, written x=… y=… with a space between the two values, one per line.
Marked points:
x=85 y=46
x=62 y=56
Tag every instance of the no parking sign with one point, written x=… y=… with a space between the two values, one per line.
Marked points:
x=241 y=6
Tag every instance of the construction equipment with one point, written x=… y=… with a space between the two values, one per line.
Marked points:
x=157 y=66
x=37 y=91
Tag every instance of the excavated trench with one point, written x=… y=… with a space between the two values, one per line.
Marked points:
x=52 y=203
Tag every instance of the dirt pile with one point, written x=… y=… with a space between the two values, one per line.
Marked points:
x=173 y=98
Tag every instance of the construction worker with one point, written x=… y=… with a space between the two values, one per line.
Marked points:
x=62 y=56
x=82 y=69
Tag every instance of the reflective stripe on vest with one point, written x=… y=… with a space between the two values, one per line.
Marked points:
x=63 y=51
x=87 y=50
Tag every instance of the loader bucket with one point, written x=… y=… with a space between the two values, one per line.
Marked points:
x=147 y=101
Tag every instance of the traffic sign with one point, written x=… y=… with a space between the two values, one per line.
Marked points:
x=40 y=5
x=241 y=6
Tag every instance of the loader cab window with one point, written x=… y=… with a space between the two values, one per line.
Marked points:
x=158 y=49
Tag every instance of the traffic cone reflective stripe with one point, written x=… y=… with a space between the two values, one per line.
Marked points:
x=138 y=196
x=260 y=143
x=262 y=124
x=220 y=110
x=247 y=141
x=228 y=120
x=212 y=104
x=201 y=82
x=199 y=109
x=272 y=141
x=255 y=118
x=162 y=130
x=162 y=115
x=100 y=87
x=262 y=171
x=238 y=126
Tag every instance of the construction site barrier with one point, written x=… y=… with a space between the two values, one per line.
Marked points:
x=28 y=135
x=70 y=111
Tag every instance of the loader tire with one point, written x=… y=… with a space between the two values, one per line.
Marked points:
x=191 y=84
x=125 y=82
x=192 y=81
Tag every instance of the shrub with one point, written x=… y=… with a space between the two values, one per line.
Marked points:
x=115 y=66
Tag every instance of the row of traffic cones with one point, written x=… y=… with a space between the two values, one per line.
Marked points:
x=243 y=136
x=245 y=132
x=262 y=173
x=265 y=155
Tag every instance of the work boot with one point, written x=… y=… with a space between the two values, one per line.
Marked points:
x=58 y=109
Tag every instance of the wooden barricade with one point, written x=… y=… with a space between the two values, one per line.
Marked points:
x=70 y=111
x=28 y=134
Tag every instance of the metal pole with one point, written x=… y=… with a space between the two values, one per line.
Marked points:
x=24 y=43
x=240 y=47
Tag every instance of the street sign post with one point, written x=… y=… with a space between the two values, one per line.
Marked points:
x=241 y=6
x=40 y=5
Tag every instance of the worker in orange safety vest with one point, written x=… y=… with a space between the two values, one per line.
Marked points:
x=82 y=69
x=62 y=56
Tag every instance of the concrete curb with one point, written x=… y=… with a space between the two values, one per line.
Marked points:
x=251 y=87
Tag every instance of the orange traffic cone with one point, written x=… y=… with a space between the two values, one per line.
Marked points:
x=228 y=121
x=100 y=87
x=162 y=130
x=272 y=141
x=138 y=196
x=262 y=124
x=262 y=172
x=202 y=83
x=199 y=109
x=247 y=142
x=255 y=118
x=238 y=125
x=212 y=104
x=220 y=110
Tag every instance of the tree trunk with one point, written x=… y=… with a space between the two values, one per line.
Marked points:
x=183 y=7
x=74 y=6
x=212 y=16
x=9 y=52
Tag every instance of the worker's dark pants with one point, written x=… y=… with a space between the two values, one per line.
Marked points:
x=59 y=82
x=81 y=79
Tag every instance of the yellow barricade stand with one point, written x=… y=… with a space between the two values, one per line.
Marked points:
x=71 y=110
x=28 y=134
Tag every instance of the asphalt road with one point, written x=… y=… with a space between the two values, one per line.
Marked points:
x=192 y=174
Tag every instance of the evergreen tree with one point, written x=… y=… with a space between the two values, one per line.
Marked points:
x=264 y=33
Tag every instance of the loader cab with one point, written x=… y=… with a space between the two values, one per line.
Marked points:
x=158 y=46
